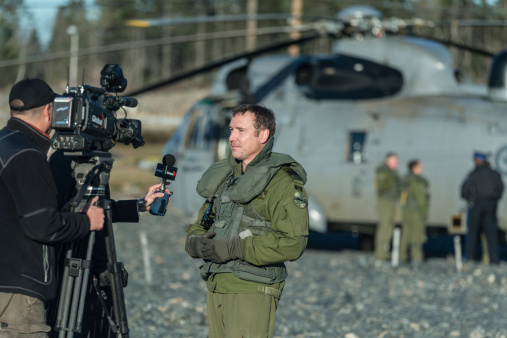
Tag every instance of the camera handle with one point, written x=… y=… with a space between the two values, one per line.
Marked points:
x=91 y=171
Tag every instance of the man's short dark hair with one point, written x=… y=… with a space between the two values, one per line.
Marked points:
x=264 y=117
x=412 y=164
x=390 y=154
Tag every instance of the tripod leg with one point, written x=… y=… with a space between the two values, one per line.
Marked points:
x=65 y=292
x=73 y=290
x=84 y=282
x=116 y=269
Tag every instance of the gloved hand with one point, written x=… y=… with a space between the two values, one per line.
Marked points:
x=223 y=250
x=195 y=244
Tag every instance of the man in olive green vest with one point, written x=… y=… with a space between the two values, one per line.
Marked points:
x=254 y=219
x=388 y=191
x=414 y=203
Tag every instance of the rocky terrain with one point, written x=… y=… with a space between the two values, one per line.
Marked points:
x=335 y=293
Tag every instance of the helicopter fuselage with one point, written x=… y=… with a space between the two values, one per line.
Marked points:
x=338 y=115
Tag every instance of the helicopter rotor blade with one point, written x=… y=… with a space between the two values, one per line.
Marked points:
x=220 y=18
x=478 y=51
x=216 y=64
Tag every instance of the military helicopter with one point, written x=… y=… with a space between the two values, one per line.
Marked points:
x=339 y=114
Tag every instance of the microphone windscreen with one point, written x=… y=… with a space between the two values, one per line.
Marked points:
x=169 y=160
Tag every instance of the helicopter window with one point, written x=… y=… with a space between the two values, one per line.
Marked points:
x=201 y=130
x=223 y=133
x=304 y=75
x=237 y=79
x=357 y=142
x=334 y=79
x=347 y=78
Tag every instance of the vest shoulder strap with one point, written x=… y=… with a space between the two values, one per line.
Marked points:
x=293 y=174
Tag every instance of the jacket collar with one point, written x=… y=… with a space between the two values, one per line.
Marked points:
x=40 y=140
x=261 y=158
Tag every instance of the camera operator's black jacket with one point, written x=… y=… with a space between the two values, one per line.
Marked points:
x=31 y=224
x=122 y=211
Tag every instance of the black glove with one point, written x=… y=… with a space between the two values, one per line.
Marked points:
x=195 y=244
x=223 y=250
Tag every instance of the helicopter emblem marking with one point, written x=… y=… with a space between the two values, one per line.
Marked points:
x=501 y=160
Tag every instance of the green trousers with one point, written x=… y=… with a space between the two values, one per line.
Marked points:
x=412 y=237
x=385 y=227
x=232 y=315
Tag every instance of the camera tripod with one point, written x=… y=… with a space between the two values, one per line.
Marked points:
x=91 y=170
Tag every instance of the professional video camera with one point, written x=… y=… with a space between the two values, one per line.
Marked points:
x=84 y=118
x=86 y=127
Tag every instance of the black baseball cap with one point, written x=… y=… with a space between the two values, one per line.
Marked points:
x=32 y=92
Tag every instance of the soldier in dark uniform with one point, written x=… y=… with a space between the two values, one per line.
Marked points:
x=414 y=203
x=387 y=184
x=482 y=188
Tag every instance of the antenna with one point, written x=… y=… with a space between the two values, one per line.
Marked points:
x=83 y=76
x=68 y=80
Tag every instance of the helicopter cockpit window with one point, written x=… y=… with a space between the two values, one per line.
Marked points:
x=347 y=78
x=201 y=129
x=304 y=75
x=357 y=142
x=237 y=79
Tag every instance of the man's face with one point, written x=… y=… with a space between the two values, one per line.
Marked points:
x=48 y=123
x=245 y=144
x=392 y=162
x=418 y=169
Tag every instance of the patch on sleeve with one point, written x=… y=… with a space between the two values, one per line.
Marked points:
x=299 y=199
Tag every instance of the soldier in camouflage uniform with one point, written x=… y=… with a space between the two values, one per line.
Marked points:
x=254 y=219
x=414 y=203
x=388 y=191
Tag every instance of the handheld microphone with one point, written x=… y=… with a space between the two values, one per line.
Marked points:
x=167 y=172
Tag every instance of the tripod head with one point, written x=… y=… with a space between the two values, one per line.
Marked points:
x=91 y=171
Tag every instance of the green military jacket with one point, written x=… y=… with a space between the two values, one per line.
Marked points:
x=387 y=182
x=415 y=194
x=278 y=197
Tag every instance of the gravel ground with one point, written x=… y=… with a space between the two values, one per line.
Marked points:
x=327 y=294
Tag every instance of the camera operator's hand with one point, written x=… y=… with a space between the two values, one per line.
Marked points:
x=152 y=194
x=95 y=214
x=195 y=243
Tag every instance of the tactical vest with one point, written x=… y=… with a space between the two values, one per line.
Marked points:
x=408 y=201
x=393 y=190
x=236 y=215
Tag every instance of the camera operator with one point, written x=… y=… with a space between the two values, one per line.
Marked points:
x=95 y=323
x=32 y=224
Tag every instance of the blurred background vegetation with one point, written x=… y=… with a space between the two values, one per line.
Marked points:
x=151 y=53
x=148 y=54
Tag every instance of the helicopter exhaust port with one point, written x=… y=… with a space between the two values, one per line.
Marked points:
x=498 y=77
